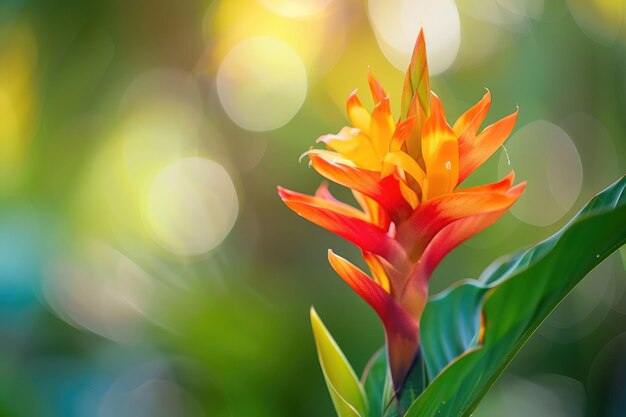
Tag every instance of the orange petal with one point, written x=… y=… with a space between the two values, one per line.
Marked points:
x=430 y=217
x=385 y=191
x=374 y=211
x=401 y=330
x=473 y=153
x=323 y=201
x=457 y=232
x=416 y=82
x=468 y=123
x=378 y=93
x=357 y=113
x=377 y=270
x=440 y=151
x=414 y=140
x=501 y=186
x=409 y=195
x=401 y=133
x=343 y=220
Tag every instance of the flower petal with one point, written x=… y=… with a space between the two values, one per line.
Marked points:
x=402 y=160
x=440 y=152
x=501 y=186
x=353 y=146
x=473 y=153
x=378 y=93
x=459 y=231
x=401 y=330
x=468 y=123
x=416 y=82
x=382 y=126
x=401 y=133
x=373 y=210
x=430 y=217
x=357 y=113
x=327 y=155
x=322 y=202
x=385 y=191
x=344 y=221
x=377 y=270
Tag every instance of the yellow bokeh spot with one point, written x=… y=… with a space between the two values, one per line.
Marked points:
x=318 y=39
x=261 y=83
x=191 y=206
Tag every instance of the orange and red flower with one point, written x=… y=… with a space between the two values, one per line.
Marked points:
x=405 y=177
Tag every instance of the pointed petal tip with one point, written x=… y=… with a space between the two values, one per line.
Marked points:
x=421 y=39
x=516 y=191
x=511 y=176
x=353 y=98
x=521 y=186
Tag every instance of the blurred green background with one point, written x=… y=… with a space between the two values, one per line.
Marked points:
x=147 y=266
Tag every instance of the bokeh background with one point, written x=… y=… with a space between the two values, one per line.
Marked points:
x=147 y=267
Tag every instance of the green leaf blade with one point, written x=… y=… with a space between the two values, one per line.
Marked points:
x=515 y=296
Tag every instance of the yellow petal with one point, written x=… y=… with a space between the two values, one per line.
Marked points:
x=328 y=156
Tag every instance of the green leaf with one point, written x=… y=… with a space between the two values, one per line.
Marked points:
x=379 y=389
x=514 y=296
x=451 y=323
x=345 y=389
x=377 y=383
x=415 y=383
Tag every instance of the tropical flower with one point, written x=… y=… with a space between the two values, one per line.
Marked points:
x=405 y=176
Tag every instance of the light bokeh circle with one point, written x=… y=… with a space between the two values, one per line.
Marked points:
x=397 y=23
x=542 y=154
x=261 y=83
x=191 y=206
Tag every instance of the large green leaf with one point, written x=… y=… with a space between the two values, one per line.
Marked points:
x=513 y=297
x=345 y=388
